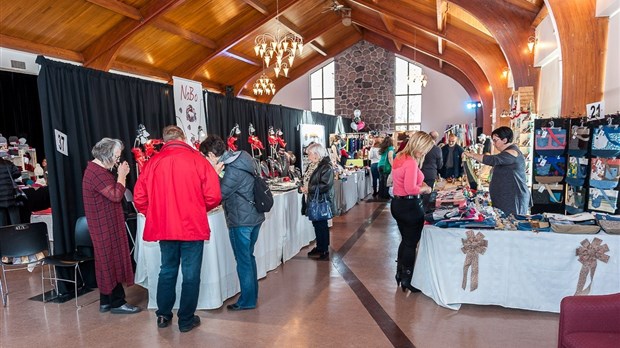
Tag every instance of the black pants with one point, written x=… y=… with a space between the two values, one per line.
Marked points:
x=410 y=220
x=321 y=230
x=383 y=188
x=9 y=216
x=115 y=299
x=428 y=199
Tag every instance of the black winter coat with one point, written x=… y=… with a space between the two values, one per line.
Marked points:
x=323 y=177
x=237 y=188
x=7 y=189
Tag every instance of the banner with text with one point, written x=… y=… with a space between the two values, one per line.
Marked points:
x=188 y=107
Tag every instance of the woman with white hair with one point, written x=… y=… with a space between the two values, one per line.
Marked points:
x=102 y=194
x=319 y=174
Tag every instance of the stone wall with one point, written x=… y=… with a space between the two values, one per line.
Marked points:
x=364 y=76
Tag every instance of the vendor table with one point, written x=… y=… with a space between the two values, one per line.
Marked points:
x=515 y=269
x=284 y=232
x=350 y=190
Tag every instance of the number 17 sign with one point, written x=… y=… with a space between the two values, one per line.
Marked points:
x=595 y=110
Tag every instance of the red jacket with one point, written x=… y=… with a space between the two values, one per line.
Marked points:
x=175 y=191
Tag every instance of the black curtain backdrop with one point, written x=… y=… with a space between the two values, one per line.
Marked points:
x=88 y=105
x=224 y=112
x=19 y=107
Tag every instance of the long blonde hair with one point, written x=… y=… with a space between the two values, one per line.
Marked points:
x=419 y=142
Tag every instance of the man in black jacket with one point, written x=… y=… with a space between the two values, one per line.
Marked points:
x=452 y=162
x=242 y=218
x=433 y=161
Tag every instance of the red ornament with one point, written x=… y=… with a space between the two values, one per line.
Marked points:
x=232 y=143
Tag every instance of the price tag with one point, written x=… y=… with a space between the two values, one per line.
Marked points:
x=543 y=134
x=541 y=188
x=542 y=162
x=596 y=194
x=60 y=139
x=596 y=110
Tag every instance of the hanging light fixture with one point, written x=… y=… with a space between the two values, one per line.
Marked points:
x=280 y=48
x=417 y=77
x=264 y=85
x=531 y=42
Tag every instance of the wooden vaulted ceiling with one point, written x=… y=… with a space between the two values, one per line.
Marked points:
x=211 y=41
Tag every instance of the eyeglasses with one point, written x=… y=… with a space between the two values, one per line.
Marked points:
x=495 y=139
x=117 y=158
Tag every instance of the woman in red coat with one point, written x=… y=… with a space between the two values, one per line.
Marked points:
x=102 y=195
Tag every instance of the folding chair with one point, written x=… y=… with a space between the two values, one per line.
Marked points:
x=83 y=243
x=20 y=246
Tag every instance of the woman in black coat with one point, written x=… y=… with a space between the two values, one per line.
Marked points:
x=9 y=209
x=319 y=174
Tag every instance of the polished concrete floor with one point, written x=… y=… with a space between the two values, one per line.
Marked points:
x=350 y=301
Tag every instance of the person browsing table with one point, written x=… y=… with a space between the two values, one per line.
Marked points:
x=406 y=207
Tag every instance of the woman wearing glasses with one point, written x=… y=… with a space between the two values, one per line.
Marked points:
x=508 y=186
x=102 y=193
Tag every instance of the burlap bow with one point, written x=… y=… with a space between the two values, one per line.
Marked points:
x=472 y=247
x=588 y=254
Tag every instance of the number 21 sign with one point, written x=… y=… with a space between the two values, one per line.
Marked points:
x=595 y=110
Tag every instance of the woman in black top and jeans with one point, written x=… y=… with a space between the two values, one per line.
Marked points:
x=318 y=174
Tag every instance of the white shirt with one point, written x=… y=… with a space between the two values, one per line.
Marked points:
x=373 y=155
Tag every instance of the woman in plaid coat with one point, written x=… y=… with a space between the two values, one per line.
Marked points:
x=102 y=194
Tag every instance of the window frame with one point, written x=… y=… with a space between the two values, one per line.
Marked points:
x=408 y=125
x=323 y=98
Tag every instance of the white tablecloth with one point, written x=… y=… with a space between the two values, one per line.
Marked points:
x=518 y=269
x=284 y=232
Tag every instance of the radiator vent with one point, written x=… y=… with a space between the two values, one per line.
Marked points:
x=16 y=64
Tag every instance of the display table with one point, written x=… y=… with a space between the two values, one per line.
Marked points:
x=350 y=190
x=516 y=269
x=284 y=232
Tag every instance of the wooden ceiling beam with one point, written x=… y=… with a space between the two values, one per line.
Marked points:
x=258 y=6
x=398 y=45
x=388 y=22
x=318 y=48
x=441 y=44
x=526 y=5
x=242 y=57
x=37 y=48
x=190 y=67
x=290 y=26
x=442 y=15
x=542 y=14
x=101 y=52
x=142 y=71
x=119 y=7
x=165 y=25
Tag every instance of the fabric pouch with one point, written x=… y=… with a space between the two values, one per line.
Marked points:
x=578 y=142
x=589 y=227
x=609 y=223
x=575 y=199
x=547 y=193
x=606 y=142
x=603 y=200
x=604 y=173
x=576 y=171
x=551 y=140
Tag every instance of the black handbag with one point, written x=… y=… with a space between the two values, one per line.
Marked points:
x=319 y=208
x=20 y=197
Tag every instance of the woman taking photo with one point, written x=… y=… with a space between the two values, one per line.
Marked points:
x=406 y=204
x=319 y=174
x=102 y=194
x=508 y=187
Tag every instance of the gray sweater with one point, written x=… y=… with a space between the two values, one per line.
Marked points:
x=508 y=186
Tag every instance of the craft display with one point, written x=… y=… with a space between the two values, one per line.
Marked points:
x=144 y=148
x=255 y=144
x=231 y=142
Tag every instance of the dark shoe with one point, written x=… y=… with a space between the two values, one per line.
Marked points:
x=406 y=275
x=126 y=309
x=324 y=255
x=195 y=323
x=313 y=252
x=163 y=322
x=104 y=308
x=236 y=307
x=399 y=269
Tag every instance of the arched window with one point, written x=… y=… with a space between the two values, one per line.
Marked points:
x=322 y=90
x=408 y=96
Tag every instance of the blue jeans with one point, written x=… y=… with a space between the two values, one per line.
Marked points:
x=189 y=255
x=374 y=170
x=242 y=240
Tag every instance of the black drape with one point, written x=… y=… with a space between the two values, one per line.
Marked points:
x=223 y=112
x=88 y=105
x=19 y=107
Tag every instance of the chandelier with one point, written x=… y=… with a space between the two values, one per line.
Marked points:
x=281 y=47
x=418 y=77
x=264 y=85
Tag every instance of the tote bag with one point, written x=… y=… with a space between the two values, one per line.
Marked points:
x=319 y=207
